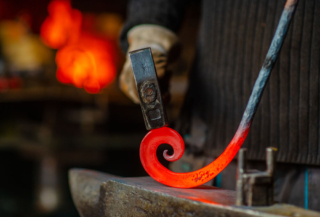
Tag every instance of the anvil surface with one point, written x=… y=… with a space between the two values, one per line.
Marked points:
x=97 y=194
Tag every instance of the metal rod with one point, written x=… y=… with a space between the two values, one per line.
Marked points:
x=268 y=64
x=156 y=137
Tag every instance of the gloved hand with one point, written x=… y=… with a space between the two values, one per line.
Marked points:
x=165 y=48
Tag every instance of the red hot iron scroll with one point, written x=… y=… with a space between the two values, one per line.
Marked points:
x=150 y=98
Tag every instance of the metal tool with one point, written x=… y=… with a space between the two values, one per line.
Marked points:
x=149 y=92
x=255 y=188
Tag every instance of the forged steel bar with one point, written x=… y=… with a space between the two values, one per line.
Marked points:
x=162 y=135
x=268 y=64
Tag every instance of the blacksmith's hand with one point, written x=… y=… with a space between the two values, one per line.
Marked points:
x=165 y=48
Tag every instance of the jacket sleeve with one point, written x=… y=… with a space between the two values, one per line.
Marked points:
x=166 y=13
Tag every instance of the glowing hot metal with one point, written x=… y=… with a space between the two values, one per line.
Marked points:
x=166 y=135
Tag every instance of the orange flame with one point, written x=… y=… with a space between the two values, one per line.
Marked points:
x=83 y=59
x=63 y=24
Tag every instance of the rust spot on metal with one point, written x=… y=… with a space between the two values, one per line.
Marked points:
x=148 y=92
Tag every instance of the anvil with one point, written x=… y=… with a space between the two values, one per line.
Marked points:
x=97 y=194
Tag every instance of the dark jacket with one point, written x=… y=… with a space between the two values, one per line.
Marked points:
x=233 y=41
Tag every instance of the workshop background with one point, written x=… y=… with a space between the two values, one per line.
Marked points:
x=62 y=108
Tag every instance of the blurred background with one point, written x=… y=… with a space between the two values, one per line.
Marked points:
x=60 y=104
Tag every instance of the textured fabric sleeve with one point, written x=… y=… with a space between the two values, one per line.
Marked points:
x=166 y=13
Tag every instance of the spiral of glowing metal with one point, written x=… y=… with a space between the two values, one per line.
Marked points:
x=161 y=174
x=166 y=135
